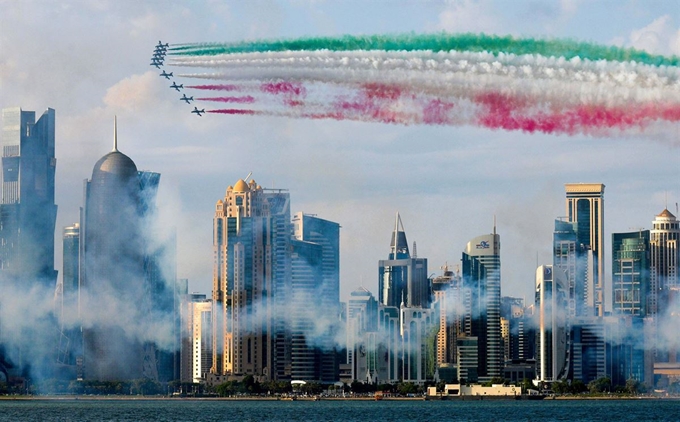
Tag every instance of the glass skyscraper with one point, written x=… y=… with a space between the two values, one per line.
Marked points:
x=402 y=278
x=27 y=209
x=482 y=283
x=585 y=208
x=630 y=273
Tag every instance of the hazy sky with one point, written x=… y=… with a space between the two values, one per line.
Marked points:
x=89 y=60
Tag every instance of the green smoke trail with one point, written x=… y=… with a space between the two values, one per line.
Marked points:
x=437 y=42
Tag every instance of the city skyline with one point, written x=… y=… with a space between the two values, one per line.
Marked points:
x=450 y=183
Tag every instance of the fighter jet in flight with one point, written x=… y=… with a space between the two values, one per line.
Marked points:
x=197 y=111
x=166 y=75
x=177 y=87
x=187 y=99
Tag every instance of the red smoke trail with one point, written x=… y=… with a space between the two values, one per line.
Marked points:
x=289 y=88
x=236 y=111
x=247 y=99
x=216 y=87
x=512 y=113
x=436 y=112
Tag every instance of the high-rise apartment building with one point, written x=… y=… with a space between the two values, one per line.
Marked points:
x=201 y=339
x=665 y=260
x=585 y=208
x=630 y=273
x=251 y=279
x=27 y=209
x=482 y=282
x=448 y=301
x=403 y=278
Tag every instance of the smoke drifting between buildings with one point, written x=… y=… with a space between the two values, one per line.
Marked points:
x=118 y=312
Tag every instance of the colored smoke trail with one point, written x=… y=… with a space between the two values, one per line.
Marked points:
x=435 y=42
x=529 y=85
x=247 y=99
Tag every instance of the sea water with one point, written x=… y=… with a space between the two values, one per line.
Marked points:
x=409 y=410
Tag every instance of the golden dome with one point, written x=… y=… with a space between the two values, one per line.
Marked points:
x=241 y=186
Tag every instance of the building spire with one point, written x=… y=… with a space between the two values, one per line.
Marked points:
x=115 y=133
x=398 y=245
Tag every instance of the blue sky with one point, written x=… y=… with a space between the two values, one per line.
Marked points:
x=89 y=61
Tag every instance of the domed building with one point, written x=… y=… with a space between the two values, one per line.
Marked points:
x=117 y=290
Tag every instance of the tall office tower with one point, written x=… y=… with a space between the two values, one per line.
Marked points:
x=304 y=311
x=482 y=282
x=551 y=337
x=572 y=258
x=326 y=288
x=665 y=260
x=362 y=319
x=585 y=207
x=159 y=271
x=114 y=272
x=27 y=209
x=630 y=273
x=251 y=280
x=402 y=277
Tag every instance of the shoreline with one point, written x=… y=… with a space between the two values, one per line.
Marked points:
x=56 y=398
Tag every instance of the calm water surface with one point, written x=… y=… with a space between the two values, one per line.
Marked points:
x=184 y=410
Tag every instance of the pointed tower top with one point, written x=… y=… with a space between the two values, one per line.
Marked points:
x=398 y=245
x=115 y=134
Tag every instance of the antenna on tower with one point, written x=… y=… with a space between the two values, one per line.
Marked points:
x=415 y=251
x=115 y=133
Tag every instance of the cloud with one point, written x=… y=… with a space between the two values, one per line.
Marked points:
x=659 y=37
x=468 y=16
x=134 y=93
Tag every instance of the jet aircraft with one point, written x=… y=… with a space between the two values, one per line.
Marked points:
x=156 y=63
x=187 y=99
x=177 y=87
x=166 y=75
x=161 y=45
x=197 y=111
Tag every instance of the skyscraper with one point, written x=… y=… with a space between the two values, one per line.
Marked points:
x=665 y=260
x=402 y=278
x=551 y=336
x=482 y=284
x=315 y=291
x=27 y=209
x=251 y=277
x=115 y=272
x=585 y=208
x=630 y=273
